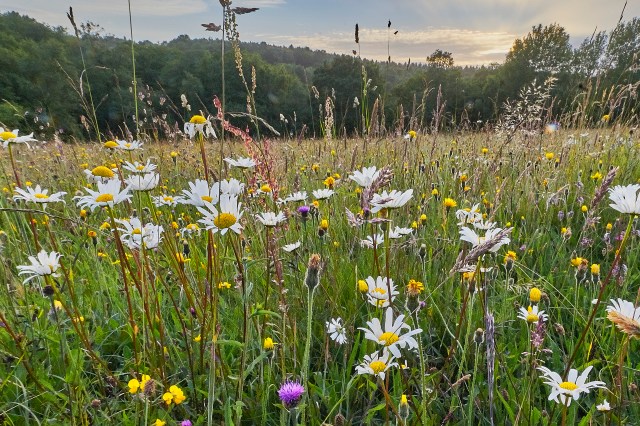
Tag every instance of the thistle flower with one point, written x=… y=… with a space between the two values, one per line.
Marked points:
x=42 y=265
x=571 y=388
x=290 y=393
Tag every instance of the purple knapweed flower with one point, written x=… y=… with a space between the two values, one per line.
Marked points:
x=290 y=393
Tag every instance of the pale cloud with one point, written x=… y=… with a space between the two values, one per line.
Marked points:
x=259 y=3
x=467 y=46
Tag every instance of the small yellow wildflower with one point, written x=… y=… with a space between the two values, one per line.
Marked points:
x=363 y=287
x=110 y=144
x=414 y=288
x=549 y=155
x=268 y=344
x=535 y=295
x=449 y=203
x=223 y=285
x=595 y=269
x=198 y=119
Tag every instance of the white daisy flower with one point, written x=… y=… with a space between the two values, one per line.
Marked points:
x=231 y=186
x=134 y=235
x=625 y=316
x=145 y=182
x=337 y=331
x=164 y=200
x=108 y=194
x=190 y=229
x=137 y=167
x=365 y=177
x=291 y=247
x=200 y=125
x=391 y=335
x=390 y=200
x=321 y=194
x=8 y=137
x=372 y=241
x=381 y=291
x=228 y=217
x=44 y=264
x=471 y=215
x=469 y=235
x=398 y=232
x=129 y=146
x=571 y=388
x=604 y=406
x=241 y=162
x=199 y=194
x=295 y=197
x=377 y=364
x=532 y=315
x=100 y=174
x=625 y=198
x=38 y=195
x=271 y=219
x=625 y=308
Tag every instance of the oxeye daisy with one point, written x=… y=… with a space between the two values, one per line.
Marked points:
x=372 y=241
x=137 y=167
x=625 y=198
x=469 y=235
x=271 y=219
x=11 y=137
x=129 y=146
x=135 y=235
x=377 y=364
x=199 y=124
x=241 y=162
x=291 y=247
x=336 y=330
x=322 y=194
x=390 y=200
x=99 y=174
x=108 y=194
x=199 y=193
x=625 y=316
x=365 y=177
x=38 y=195
x=381 y=291
x=570 y=389
x=469 y=215
x=231 y=186
x=227 y=218
x=391 y=336
x=399 y=232
x=295 y=197
x=164 y=200
x=42 y=265
x=532 y=315
x=142 y=182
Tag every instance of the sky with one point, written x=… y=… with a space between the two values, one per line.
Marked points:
x=475 y=31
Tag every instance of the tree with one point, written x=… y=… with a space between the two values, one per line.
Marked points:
x=544 y=50
x=440 y=59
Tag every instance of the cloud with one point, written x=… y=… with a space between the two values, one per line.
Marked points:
x=259 y=3
x=467 y=46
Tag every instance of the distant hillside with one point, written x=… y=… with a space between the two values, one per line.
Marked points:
x=42 y=68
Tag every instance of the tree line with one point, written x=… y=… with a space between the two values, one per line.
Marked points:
x=80 y=86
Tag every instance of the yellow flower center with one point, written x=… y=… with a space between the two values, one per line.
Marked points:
x=104 y=198
x=198 y=119
x=379 y=290
x=102 y=171
x=167 y=199
x=378 y=366
x=224 y=220
x=532 y=318
x=110 y=144
x=41 y=196
x=7 y=135
x=136 y=231
x=570 y=386
x=128 y=145
x=388 y=338
x=206 y=198
x=140 y=167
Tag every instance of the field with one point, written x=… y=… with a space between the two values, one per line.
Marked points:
x=162 y=299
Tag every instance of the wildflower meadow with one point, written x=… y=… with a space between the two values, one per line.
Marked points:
x=228 y=276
